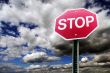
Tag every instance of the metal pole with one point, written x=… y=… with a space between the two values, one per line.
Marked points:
x=75 y=56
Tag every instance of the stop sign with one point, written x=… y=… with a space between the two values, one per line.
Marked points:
x=76 y=24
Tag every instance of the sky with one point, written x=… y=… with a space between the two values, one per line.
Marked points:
x=26 y=30
x=12 y=43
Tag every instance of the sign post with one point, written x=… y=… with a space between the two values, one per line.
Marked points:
x=75 y=56
x=74 y=24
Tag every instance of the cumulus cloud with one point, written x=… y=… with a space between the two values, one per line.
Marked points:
x=43 y=15
x=36 y=66
x=25 y=11
x=9 y=41
x=39 y=12
x=35 y=57
x=69 y=65
x=14 y=45
x=38 y=57
x=32 y=39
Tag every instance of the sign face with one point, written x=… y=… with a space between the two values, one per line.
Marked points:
x=76 y=24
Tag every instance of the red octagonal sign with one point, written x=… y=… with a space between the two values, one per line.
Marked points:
x=76 y=24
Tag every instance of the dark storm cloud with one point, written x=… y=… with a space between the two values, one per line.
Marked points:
x=99 y=43
x=64 y=49
x=102 y=58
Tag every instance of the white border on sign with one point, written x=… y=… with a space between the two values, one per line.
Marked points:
x=80 y=37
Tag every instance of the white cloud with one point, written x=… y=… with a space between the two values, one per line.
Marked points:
x=39 y=57
x=11 y=53
x=36 y=66
x=84 y=59
x=37 y=12
x=69 y=65
x=42 y=14
x=10 y=42
x=32 y=39
x=34 y=11
x=53 y=58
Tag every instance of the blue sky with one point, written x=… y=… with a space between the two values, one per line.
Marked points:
x=8 y=30
x=26 y=28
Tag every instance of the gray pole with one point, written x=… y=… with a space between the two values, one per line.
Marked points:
x=75 y=56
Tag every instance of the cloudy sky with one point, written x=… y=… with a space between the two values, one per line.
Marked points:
x=27 y=36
